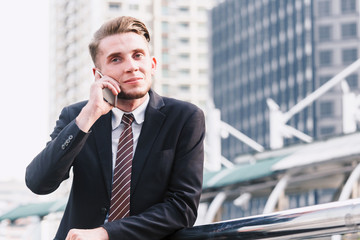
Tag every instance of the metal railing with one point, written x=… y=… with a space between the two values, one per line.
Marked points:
x=321 y=220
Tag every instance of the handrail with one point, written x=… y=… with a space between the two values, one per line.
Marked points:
x=321 y=220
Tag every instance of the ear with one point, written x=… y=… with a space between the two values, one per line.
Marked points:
x=153 y=65
x=96 y=73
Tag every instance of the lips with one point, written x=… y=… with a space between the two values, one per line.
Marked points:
x=133 y=80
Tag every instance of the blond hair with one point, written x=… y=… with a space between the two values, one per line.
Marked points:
x=118 y=25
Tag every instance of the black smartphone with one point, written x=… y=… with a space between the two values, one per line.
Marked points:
x=107 y=94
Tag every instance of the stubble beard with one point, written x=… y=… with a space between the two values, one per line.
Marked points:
x=133 y=95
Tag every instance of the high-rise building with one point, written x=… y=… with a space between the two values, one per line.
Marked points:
x=282 y=50
x=260 y=50
x=337 y=44
x=179 y=41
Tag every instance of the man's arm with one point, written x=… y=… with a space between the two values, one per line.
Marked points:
x=51 y=166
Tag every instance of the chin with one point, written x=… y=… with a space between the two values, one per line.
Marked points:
x=131 y=95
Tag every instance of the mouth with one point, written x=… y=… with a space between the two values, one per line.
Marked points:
x=133 y=80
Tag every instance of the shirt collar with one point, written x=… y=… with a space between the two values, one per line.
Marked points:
x=138 y=113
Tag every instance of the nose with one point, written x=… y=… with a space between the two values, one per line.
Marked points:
x=131 y=65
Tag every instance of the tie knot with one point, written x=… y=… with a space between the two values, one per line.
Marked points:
x=127 y=119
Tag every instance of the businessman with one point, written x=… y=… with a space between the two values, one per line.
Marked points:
x=137 y=163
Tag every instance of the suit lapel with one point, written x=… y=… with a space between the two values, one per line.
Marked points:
x=150 y=129
x=102 y=131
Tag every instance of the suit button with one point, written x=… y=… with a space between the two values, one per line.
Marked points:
x=104 y=210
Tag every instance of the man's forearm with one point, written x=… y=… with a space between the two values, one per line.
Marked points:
x=50 y=167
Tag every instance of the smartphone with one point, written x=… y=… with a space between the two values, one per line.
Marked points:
x=109 y=97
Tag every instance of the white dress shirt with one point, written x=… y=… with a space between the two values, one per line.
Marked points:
x=117 y=127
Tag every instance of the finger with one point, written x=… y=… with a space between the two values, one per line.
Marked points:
x=112 y=85
x=108 y=79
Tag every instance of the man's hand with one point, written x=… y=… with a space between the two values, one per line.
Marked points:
x=91 y=234
x=96 y=106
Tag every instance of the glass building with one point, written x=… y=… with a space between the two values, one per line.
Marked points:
x=260 y=50
x=337 y=45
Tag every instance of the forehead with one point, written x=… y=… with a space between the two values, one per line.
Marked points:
x=122 y=43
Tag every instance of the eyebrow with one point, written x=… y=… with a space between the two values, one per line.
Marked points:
x=120 y=53
x=115 y=54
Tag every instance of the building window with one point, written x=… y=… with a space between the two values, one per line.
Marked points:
x=202 y=11
x=184 y=41
x=202 y=41
x=348 y=30
x=165 y=26
x=184 y=9
x=203 y=73
x=114 y=6
x=165 y=10
x=352 y=80
x=165 y=89
x=326 y=109
x=349 y=55
x=325 y=33
x=184 y=88
x=184 y=25
x=324 y=79
x=165 y=73
x=324 y=8
x=184 y=72
x=327 y=130
x=348 y=6
x=134 y=7
x=184 y=56
x=165 y=57
x=325 y=58
x=165 y=42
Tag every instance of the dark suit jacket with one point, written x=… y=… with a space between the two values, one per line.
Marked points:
x=166 y=173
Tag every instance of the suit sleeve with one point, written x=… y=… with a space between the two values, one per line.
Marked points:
x=51 y=166
x=179 y=208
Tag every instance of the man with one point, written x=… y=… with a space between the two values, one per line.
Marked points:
x=166 y=150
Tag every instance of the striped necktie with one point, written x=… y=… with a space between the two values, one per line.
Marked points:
x=120 y=195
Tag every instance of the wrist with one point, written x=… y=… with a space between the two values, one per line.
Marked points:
x=86 y=118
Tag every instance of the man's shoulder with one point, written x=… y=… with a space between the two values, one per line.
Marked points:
x=75 y=108
x=165 y=103
x=178 y=103
x=80 y=104
x=178 y=107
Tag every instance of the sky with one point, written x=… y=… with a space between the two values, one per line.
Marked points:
x=24 y=61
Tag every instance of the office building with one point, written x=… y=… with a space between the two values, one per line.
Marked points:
x=260 y=50
x=337 y=44
x=283 y=50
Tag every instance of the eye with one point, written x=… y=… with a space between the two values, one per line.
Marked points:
x=138 y=55
x=116 y=59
